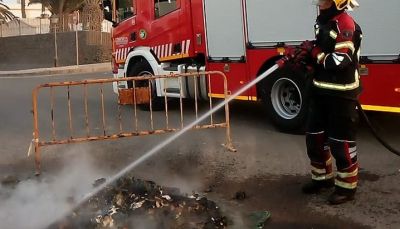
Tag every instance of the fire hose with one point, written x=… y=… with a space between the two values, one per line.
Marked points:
x=283 y=61
x=375 y=132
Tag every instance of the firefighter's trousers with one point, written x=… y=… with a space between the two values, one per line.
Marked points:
x=331 y=131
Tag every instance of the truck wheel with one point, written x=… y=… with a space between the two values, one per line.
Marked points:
x=283 y=94
x=143 y=68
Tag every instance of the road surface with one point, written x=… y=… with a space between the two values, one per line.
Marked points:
x=269 y=167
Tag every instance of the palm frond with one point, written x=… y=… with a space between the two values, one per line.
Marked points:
x=4 y=6
x=5 y=13
x=59 y=6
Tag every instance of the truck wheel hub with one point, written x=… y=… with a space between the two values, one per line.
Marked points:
x=286 y=98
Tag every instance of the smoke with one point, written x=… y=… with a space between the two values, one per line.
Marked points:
x=143 y=222
x=177 y=173
x=36 y=202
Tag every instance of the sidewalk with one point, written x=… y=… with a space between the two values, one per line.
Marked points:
x=59 y=70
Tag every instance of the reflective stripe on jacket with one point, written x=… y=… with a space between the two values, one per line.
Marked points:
x=337 y=55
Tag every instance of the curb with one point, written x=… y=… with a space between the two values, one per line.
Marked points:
x=58 y=70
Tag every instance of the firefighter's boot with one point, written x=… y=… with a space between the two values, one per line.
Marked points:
x=315 y=187
x=341 y=195
x=321 y=164
x=345 y=153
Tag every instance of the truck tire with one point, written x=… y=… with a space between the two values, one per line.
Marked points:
x=142 y=68
x=284 y=95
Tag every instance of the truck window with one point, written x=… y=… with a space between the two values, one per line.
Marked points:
x=163 y=7
x=125 y=9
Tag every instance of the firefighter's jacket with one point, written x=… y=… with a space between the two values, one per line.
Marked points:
x=337 y=55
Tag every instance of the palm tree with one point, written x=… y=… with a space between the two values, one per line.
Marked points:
x=5 y=13
x=62 y=8
x=43 y=9
x=23 y=9
x=92 y=15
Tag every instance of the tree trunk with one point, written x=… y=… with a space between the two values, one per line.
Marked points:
x=23 y=10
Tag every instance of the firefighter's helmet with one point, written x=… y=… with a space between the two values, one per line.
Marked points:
x=346 y=4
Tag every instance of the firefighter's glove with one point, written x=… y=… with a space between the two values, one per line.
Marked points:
x=291 y=53
x=301 y=57
x=298 y=59
x=307 y=46
x=303 y=60
x=304 y=51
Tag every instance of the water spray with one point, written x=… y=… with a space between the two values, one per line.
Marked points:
x=170 y=139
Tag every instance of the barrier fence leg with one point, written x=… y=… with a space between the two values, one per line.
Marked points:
x=37 y=159
x=228 y=145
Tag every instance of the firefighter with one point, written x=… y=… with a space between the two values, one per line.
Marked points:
x=331 y=125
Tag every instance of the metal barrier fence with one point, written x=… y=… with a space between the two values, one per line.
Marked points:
x=33 y=26
x=20 y=27
x=127 y=122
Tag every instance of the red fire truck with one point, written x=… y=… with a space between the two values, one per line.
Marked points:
x=243 y=38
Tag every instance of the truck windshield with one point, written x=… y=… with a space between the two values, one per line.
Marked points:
x=163 y=7
x=125 y=9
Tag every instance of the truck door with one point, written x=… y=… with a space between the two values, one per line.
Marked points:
x=168 y=40
x=224 y=29
x=165 y=26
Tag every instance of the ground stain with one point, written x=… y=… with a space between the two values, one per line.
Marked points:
x=281 y=196
x=368 y=176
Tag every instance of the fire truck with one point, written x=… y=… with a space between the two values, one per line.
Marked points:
x=243 y=38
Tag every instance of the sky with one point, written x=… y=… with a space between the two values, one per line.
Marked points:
x=9 y=1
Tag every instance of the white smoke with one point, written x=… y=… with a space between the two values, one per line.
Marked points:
x=37 y=202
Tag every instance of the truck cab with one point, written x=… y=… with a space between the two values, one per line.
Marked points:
x=164 y=33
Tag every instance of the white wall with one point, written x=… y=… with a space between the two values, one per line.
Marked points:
x=32 y=11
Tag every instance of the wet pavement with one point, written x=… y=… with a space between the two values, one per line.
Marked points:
x=269 y=167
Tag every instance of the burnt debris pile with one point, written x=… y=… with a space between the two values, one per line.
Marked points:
x=131 y=202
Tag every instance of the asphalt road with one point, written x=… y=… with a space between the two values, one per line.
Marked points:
x=269 y=167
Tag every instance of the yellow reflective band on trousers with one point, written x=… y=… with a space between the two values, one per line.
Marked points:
x=321 y=174
x=339 y=87
x=318 y=171
x=347 y=175
x=345 y=185
x=322 y=177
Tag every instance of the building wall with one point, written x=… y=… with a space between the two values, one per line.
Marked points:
x=37 y=51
